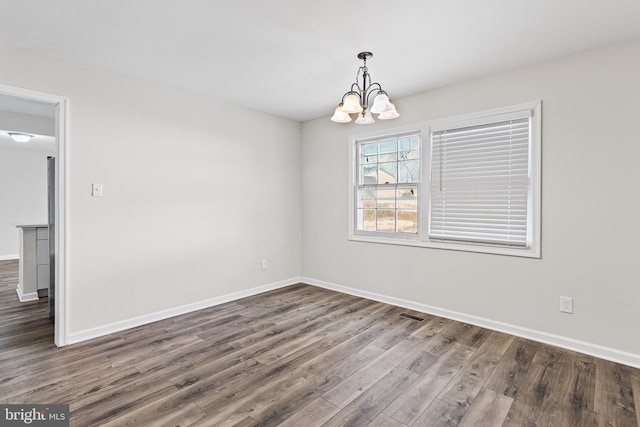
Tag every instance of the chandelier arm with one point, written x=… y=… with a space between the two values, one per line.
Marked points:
x=373 y=87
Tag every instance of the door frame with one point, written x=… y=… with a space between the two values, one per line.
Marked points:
x=61 y=201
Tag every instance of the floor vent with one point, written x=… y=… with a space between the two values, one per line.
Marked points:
x=408 y=316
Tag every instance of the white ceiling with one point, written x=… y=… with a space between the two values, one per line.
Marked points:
x=296 y=58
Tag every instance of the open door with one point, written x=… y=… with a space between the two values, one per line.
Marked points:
x=57 y=194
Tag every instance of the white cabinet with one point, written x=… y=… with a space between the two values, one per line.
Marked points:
x=33 y=274
x=42 y=259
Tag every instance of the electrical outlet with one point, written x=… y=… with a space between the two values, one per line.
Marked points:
x=566 y=305
x=264 y=265
x=96 y=190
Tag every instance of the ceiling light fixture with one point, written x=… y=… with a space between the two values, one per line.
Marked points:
x=357 y=99
x=20 y=137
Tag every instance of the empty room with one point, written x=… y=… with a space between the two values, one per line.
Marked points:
x=366 y=213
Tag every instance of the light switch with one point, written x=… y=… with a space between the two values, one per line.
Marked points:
x=96 y=190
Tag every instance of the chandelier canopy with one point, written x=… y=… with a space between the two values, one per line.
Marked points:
x=356 y=100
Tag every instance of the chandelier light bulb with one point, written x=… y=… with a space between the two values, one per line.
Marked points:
x=365 y=118
x=389 y=114
x=352 y=104
x=339 y=116
x=380 y=103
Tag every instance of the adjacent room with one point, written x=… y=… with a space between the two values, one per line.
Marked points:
x=284 y=213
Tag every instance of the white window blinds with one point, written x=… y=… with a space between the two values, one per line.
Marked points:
x=479 y=189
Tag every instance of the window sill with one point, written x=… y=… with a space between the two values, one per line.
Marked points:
x=415 y=242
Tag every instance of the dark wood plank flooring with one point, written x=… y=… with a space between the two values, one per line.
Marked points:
x=305 y=356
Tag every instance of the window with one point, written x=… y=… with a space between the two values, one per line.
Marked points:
x=388 y=178
x=468 y=183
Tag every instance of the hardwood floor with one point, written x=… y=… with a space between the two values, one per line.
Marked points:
x=305 y=356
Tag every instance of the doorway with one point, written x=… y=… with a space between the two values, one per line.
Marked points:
x=16 y=98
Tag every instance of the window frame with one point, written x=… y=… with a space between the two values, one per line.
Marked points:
x=396 y=185
x=425 y=129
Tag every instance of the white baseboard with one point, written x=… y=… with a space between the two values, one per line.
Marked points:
x=32 y=296
x=111 y=328
x=8 y=257
x=591 y=349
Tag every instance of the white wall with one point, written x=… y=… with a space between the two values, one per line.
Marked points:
x=23 y=194
x=196 y=193
x=590 y=207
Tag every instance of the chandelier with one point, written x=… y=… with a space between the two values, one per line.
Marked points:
x=356 y=101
